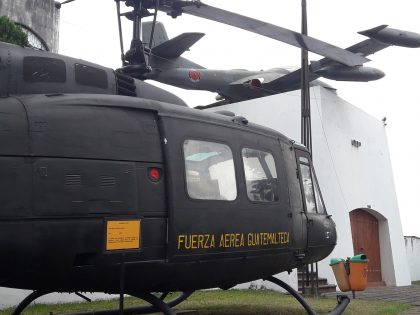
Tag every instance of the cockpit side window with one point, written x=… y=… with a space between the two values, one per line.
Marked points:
x=308 y=188
x=319 y=202
x=210 y=171
x=311 y=189
x=260 y=175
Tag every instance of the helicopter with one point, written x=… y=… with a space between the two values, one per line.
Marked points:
x=112 y=185
x=164 y=57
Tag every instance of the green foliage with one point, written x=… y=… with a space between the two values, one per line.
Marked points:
x=12 y=33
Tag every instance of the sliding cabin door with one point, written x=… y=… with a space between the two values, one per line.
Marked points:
x=228 y=194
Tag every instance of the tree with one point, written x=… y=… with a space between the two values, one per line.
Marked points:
x=12 y=33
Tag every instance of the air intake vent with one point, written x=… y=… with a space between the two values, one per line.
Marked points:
x=108 y=181
x=73 y=180
x=125 y=85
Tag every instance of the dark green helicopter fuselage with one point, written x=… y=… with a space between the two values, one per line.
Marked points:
x=187 y=199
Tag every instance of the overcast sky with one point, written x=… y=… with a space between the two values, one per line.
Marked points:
x=89 y=31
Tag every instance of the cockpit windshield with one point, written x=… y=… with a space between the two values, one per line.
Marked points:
x=313 y=199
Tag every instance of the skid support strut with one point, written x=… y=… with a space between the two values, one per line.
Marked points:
x=158 y=304
x=28 y=300
x=145 y=309
x=342 y=300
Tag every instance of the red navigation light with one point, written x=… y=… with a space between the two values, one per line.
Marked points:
x=154 y=174
x=255 y=84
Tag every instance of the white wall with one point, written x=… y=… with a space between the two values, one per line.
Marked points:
x=40 y=15
x=291 y=279
x=365 y=176
x=412 y=247
x=350 y=177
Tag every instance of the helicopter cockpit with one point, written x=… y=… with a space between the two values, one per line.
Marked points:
x=313 y=200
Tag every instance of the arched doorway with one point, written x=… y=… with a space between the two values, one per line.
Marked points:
x=365 y=234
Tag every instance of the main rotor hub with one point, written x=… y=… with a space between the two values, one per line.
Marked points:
x=134 y=60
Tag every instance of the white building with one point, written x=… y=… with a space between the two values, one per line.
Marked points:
x=353 y=166
x=412 y=247
x=39 y=19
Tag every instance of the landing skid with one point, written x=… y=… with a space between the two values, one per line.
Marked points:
x=158 y=304
x=342 y=300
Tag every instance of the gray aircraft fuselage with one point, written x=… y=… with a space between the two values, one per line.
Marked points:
x=240 y=85
x=235 y=84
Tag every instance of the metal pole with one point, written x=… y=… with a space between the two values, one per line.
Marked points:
x=306 y=136
x=136 y=19
x=120 y=30
x=306 y=128
x=316 y=280
x=122 y=283
x=303 y=280
x=312 y=280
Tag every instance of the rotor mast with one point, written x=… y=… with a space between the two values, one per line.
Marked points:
x=135 y=62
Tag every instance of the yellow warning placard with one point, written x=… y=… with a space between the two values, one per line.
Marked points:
x=123 y=234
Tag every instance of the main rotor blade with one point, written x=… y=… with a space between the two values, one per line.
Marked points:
x=266 y=29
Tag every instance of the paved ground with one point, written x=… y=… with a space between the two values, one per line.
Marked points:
x=408 y=295
x=412 y=311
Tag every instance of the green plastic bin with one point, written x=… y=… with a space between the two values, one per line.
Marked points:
x=358 y=272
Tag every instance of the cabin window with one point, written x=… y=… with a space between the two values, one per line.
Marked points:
x=91 y=76
x=311 y=188
x=260 y=175
x=210 y=172
x=43 y=69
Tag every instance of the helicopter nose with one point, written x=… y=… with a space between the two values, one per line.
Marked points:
x=330 y=230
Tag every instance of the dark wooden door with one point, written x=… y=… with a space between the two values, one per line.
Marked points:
x=365 y=234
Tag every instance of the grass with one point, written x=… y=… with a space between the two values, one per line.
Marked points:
x=415 y=282
x=233 y=302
